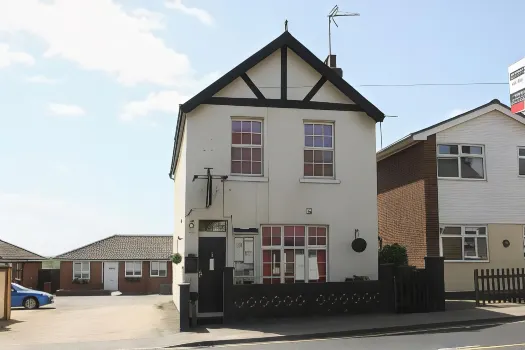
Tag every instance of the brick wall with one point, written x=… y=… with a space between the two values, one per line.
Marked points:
x=30 y=274
x=66 y=276
x=144 y=285
x=431 y=195
x=407 y=200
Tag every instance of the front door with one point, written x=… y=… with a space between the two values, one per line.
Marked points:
x=111 y=275
x=212 y=260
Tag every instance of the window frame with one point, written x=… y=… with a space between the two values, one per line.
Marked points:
x=19 y=271
x=463 y=235
x=524 y=241
x=306 y=248
x=251 y=146
x=458 y=157
x=82 y=270
x=520 y=157
x=313 y=148
x=126 y=269
x=158 y=269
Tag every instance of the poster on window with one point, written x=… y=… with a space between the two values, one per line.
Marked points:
x=299 y=267
x=248 y=251
x=313 y=270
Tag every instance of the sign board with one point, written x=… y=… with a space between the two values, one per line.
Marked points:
x=517 y=86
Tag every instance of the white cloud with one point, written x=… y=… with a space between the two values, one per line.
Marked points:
x=163 y=101
x=66 y=110
x=41 y=79
x=8 y=57
x=50 y=226
x=200 y=14
x=99 y=35
x=167 y=101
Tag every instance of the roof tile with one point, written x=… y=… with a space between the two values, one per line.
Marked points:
x=124 y=247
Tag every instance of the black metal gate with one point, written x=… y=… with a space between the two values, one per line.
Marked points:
x=49 y=275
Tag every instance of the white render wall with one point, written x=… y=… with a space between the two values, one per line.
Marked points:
x=180 y=219
x=501 y=197
x=281 y=198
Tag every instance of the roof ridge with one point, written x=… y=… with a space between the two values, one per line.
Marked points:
x=141 y=235
x=14 y=245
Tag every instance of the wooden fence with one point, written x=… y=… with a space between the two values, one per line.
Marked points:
x=499 y=285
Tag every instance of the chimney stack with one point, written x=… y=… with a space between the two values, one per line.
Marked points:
x=331 y=61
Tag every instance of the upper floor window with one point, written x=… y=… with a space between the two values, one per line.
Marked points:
x=318 y=149
x=521 y=161
x=461 y=161
x=247 y=149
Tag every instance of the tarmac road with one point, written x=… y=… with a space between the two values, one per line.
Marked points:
x=509 y=336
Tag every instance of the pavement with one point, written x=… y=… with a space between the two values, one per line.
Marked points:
x=458 y=314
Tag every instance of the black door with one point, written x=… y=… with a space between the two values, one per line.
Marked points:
x=212 y=260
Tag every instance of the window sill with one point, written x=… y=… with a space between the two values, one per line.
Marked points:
x=467 y=261
x=319 y=181
x=459 y=179
x=153 y=276
x=247 y=178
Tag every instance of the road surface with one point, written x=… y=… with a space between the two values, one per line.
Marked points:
x=509 y=336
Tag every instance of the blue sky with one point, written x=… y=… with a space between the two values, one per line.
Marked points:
x=89 y=91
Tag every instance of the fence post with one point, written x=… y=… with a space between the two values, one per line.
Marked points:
x=388 y=294
x=227 y=316
x=184 y=311
x=435 y=266
x=476 y=286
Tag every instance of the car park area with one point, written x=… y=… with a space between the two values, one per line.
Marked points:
x=91 y=318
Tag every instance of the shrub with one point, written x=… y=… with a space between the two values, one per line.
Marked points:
x=393 y=254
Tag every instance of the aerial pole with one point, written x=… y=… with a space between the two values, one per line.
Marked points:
x=331 y=18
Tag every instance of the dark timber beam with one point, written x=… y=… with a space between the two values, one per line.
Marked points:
x=315 y=89
x=284 y=72
x=252 y=86
x=278 y=103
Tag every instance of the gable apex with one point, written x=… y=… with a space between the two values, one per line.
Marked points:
x=286 y=41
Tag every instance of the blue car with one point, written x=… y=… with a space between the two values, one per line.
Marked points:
x=28 y=298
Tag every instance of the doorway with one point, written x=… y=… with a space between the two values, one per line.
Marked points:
x=111 y=275
x=212 y=260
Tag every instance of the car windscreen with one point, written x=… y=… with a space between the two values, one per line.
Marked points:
x=18 y=287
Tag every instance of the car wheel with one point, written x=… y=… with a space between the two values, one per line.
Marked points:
x=30 y=303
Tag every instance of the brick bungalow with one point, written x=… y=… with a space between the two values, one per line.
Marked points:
x=25 y=264
x=130 y=264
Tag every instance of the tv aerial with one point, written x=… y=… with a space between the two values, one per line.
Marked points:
x=331 y=18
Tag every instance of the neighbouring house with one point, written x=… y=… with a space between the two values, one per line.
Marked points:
x=457 y=189
x=274 y=175
x=131 y=264
x=25 y=264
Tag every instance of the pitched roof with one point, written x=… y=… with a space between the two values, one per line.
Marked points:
x=10 y=252
x=124 y=247
x=422 y=134
x=284 y=40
